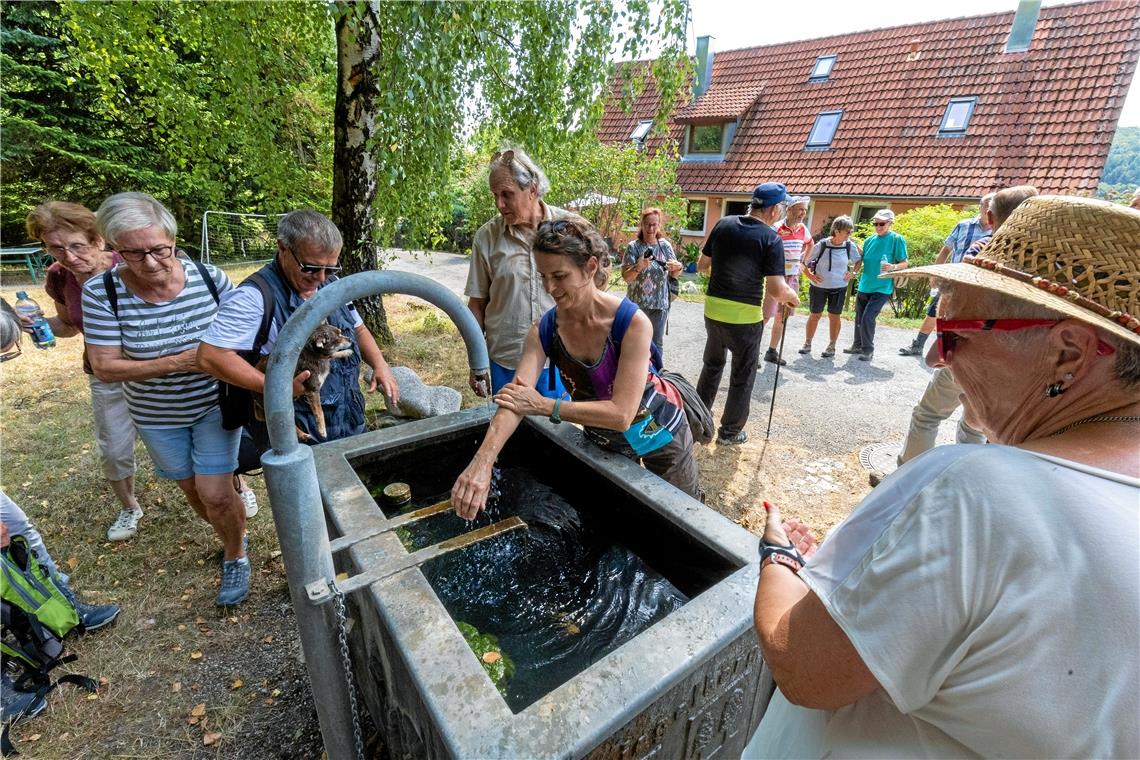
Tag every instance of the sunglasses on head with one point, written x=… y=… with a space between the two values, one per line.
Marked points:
x=312 y=268
x=948 y=330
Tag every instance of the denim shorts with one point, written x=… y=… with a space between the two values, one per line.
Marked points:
x=202 y=448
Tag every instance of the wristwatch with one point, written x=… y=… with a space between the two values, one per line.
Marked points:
x=554 y=412
x=781 y=554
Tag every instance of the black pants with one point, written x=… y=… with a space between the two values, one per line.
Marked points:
x=867 y=308
x=744 y=343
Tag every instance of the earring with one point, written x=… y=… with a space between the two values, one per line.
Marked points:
x=1055 y=390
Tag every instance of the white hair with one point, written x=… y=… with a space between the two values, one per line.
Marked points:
x=127 y=212
x=524 y=170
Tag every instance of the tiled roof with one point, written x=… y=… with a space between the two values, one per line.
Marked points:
x=1044 y=117
x=723 y=104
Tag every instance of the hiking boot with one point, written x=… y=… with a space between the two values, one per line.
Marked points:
x=17 y=705
x=235 y=582
x=125 y=526
x=806 y=349
x=866 y=356
x=829 y=351
x=771 y=356
x=914 y=349
x=853 y=350
x=249 y=499
x=733 y=440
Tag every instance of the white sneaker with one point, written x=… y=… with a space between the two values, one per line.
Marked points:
x=249 y=499
x=125 y=525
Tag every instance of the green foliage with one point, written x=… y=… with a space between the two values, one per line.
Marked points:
x=925 y=229
x=1123 y=164
x=221 y=105
x=534 y=70
x=501 y=669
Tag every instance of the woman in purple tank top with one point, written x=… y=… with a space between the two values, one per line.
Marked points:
x=613 y=391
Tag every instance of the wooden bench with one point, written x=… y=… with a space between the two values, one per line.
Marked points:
x=31 y=257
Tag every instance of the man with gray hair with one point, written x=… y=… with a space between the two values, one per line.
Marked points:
x=964 y=234
x=504 y=290
x=252 y=314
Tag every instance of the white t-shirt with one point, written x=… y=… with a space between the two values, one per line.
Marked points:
x=995 y=596
x=239 y=319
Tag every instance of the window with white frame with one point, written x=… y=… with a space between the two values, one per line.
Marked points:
x=695 y=211
x=641 y=131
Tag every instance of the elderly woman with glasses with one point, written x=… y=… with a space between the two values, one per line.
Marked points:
x=983 y=601
x=69 y=234
x=883 y=253
x=142 y=324
x=601 y=345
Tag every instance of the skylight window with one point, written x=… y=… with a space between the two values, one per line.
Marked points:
x=641 y=130
x=823 y=131
x=822 y=69
x=957 y=117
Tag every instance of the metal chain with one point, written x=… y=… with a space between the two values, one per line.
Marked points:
x=346 y=663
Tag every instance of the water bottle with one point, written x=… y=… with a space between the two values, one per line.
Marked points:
x=40 y=329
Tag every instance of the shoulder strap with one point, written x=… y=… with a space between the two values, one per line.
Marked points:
x=258 y=281
x=847 y=247
x=546 y=338
x=622 y=319
x=210 y=284
x=112 y=294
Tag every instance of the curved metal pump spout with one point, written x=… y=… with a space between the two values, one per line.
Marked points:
x=291 y=479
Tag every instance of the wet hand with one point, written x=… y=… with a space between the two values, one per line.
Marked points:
x=479 y=385
x=789 y=532
x=469 y=494
x=520 y=399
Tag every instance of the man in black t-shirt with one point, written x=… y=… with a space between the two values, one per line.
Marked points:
x=741 y=256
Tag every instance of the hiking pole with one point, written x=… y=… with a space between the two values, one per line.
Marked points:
x=779 y=360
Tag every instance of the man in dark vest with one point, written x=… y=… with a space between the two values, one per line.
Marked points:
x=308 y=247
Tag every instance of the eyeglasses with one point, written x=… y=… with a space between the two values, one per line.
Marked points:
x=10 y=355
x=948 y=330
x=56 y=251
x=312 y=268
x=881 y=224
x=158 y=254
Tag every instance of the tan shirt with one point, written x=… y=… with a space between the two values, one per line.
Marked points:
x=503 y=272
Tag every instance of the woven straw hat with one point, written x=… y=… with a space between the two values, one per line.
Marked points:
x=1078 y=256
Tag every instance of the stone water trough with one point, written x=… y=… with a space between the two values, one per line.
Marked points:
x=688 y=686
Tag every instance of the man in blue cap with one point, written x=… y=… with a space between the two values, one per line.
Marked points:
x=742 y=255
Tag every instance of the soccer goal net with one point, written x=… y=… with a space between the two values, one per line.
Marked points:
x=230 y=238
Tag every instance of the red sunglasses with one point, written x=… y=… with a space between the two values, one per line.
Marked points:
x=948 y=330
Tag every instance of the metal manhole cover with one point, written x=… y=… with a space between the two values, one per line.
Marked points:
x=880 y=457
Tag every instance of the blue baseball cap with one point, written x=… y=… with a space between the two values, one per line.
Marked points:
x=769 y=194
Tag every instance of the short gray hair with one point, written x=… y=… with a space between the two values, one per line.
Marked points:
x=127 y=212
x=526 y=172
x=311 y=226
x=842 y=224
x=985 y=201
x=10 y=332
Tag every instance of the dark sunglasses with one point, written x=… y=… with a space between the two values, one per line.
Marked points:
x=312 y=268
x=881 y=224
x=948 y=330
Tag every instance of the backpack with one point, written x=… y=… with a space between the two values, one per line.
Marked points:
x=815 y=262
x=36 y=615
x=700 y=418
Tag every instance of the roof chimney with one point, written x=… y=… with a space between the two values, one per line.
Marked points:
x=1024 y=22
x=704 y=65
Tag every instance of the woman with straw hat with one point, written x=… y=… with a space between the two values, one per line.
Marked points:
x=985 y=600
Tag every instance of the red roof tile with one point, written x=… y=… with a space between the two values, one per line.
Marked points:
x=1044 y=117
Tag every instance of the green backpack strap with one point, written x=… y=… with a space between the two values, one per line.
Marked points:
x=29 y=586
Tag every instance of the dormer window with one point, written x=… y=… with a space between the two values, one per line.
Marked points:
x=641 y=131
x=821 y=72
x=957 y=117
x=706 y=139
x=823 y=131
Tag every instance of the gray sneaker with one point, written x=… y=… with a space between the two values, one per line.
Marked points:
x=125 y=526
x=18 y=705
x=235 y=582
x=249 y=500
x=732 y=440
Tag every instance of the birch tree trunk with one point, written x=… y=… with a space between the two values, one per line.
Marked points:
x=354 y=166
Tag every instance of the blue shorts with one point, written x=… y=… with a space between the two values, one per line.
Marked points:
x=203 y=448
x=501 y=375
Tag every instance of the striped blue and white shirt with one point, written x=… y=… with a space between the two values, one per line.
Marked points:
x=153 y=330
